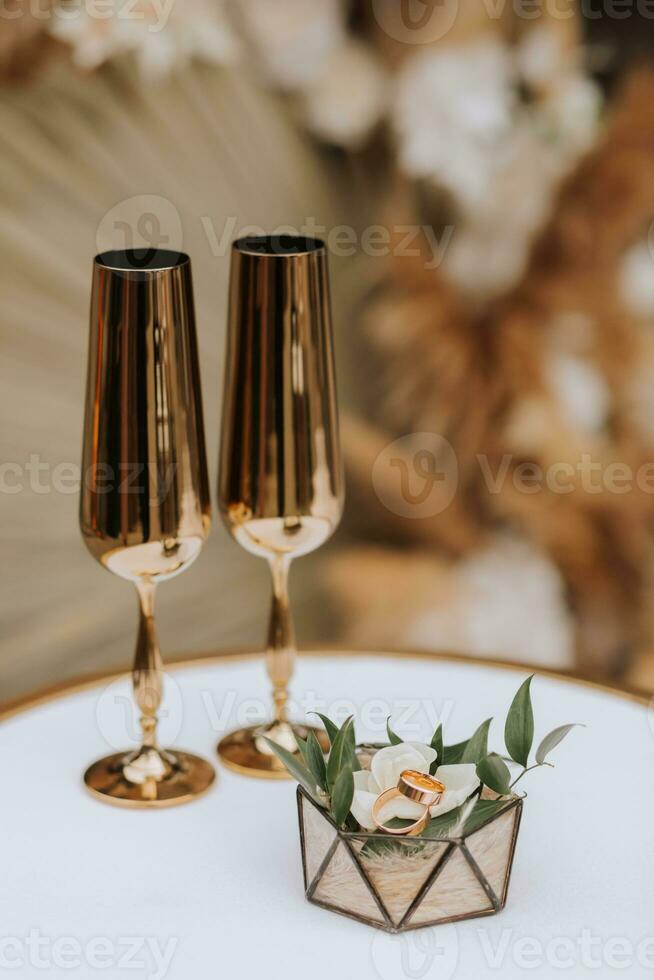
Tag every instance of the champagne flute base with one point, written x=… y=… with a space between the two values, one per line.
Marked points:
x=245 y=751
x=183 y=777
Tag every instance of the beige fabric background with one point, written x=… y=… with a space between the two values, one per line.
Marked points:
x=224 y=153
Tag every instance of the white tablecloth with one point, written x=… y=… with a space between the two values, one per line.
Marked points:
x=214 y=889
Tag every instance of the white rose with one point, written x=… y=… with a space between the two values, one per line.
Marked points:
x=460 y=782
x=385 y=770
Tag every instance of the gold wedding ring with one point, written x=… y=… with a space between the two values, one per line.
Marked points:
x=417 y=787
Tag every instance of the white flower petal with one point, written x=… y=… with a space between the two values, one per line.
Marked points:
x=460 y=782
x=362 y=804
x=447 y=803
x=458 y=776
x=401 y=808
x=364 y=780
x=391 y=761
x=428 y=754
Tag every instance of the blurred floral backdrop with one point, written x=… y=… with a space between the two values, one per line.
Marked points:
x=485 y=182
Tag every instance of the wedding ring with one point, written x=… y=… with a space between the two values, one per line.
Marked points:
x=420 y=787
x=417 y=787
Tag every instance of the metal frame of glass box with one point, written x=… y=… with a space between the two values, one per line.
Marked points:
x=457 y=878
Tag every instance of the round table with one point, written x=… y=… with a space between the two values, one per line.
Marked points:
x=214 y=888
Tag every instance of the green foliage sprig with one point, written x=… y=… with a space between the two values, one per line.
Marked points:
x=329 y=778
x=518 y=739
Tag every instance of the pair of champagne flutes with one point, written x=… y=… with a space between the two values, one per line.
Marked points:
x=145 y=507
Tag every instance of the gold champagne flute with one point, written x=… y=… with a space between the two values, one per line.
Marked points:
x=145 y=508
x=281 y=478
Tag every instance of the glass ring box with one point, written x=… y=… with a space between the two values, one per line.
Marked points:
x=403 y=883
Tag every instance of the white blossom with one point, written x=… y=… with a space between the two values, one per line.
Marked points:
x=541 y=56
x=162 y=36
x=293 y=38
x=453 y=116
x=507 y=600
x=388 y=764
x=489 y=248
x=348 y=98
x=580 y=390
x=570 y=115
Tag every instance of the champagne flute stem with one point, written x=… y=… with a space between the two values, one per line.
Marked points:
x=146 y=674
x=280 y=657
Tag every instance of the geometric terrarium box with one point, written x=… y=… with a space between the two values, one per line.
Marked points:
x=403 y=835
x=418 y=885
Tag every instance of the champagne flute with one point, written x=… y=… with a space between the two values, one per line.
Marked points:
x=145 y=508
x=281 y=479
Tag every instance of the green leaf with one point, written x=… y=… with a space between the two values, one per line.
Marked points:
x=519 y=728
x=392 y=737
x=494 y=773
x=439 y=826
x=315 y=760
x=437 y=744
x=296 y=768
x=341 y=753
x=330 y=727
x=304 y=751
x=332 y=732
x=483 y=811
x=551 y=741
x=342 y=796
x=398 y=823
x=352 y=750
x=452 y=754
x=477 y=746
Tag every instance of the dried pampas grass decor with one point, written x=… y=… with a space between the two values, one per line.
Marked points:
x=521 y=330
x=533 y=380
